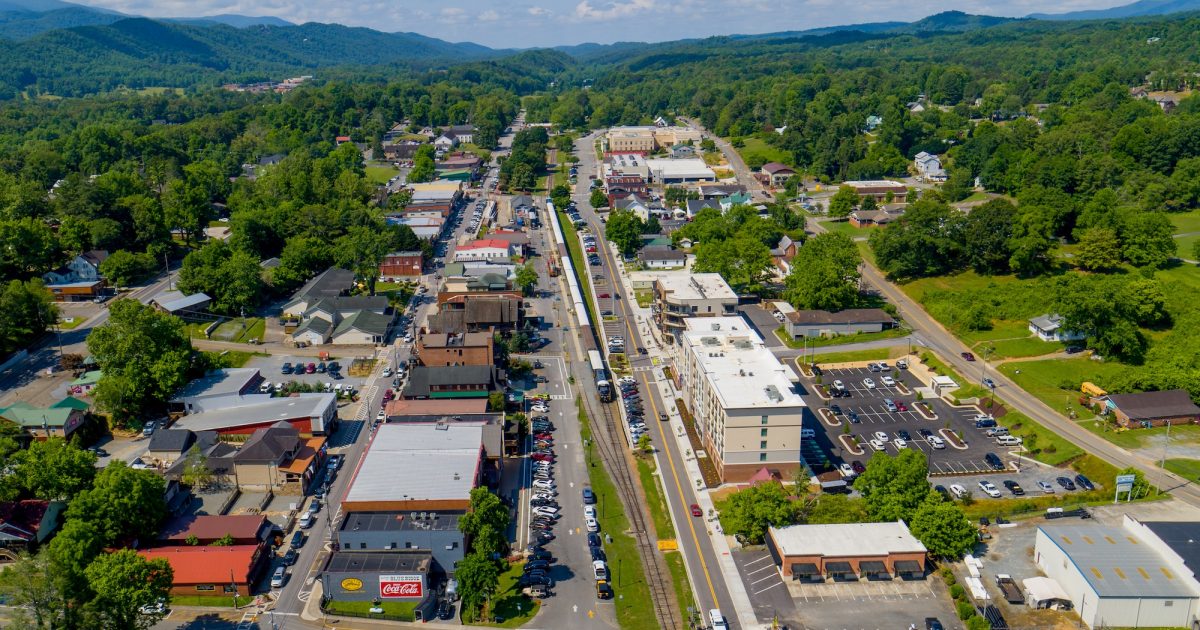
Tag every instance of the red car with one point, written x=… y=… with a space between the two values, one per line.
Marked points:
x=310 y=368
x=968 y=356
x=696 y=511
x=542 y=457
x=901 y=406
x=858 y=467
x=605 y=295
x=544 y=436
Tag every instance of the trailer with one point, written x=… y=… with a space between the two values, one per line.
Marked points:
x=603 y=385
x=1012 y=592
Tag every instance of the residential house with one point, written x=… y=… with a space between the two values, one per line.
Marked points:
x=694 y=206
x=477 y=348
x=24 y=525
x=400 y=151
x=42 y=423
x=929 y=167
x=333 y=282
x=661 y=258
x=635 y=204
x=812 y=323
x=453 y=381
x=349 y=320
x=1049 y=327
x=777 y=174
x=192 y=307
x=873 y=123
x=875 y=218
x=445 y=142
x=79 y=280
x=717 y=190
x=783 y=253
x=340 y=140
x=1147 y=409
x=402 y=265
x=277 y=456
x=169 y=445
x=361 y=328
x=220 y=572
x=215 y=455
x=483 y=249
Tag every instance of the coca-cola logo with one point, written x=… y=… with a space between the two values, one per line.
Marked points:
x=400 y=586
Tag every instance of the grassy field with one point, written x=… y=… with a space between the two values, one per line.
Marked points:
x=404 y=610
x=655 y=500
x=1186 y=468
x=1186 y=221
x=874 y=354
x=380 y=174
x=644 y=298
x=1142 y=438
x=510 y=604
x=844 y=227
x=683 y=588
x=1041 y=443
x=632 y=593
x=234 y=358
x=1056 y=381
x=755 y=148
x=223 y=601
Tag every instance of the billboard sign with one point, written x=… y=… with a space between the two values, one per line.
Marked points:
x=401 y=586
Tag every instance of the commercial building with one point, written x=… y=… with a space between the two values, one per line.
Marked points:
x=669 y=171
x=402 y=265
x=777 y=174
x=278 y=457
x=879 y=189
x=811 y=323
x=41 y=423
x=214 y=387
x=205 y=529
x=683 y=295
x=452 y=381
x=1147 y=409
x=747 y=412
x=186 y=307
x=454 y=407
x=212 y=571
x=476 y=348
x=1139 y=575
x=846 y=551
x=359 y=576
x=79 y=280
x=168 y=445
x=639 y=139
x=474 y=311
x=483 y=249
x=309 y=413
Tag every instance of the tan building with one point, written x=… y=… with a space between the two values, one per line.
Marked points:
x=847 y=551
x=476 y=348
x=747 y=412
x=276 y=457
x=879 y=189
x=1143 y=409
x=630 y=139
x=682 y=295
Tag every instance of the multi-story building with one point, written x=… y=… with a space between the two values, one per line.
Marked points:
x=747 y=412
x=631 y=139
x=456 y=348
x=683 y=295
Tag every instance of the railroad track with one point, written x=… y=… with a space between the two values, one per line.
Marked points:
x=610 y=444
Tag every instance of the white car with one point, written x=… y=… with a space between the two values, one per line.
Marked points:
x=543 y=496
x=1008 y=440
x=387 y=372
x=408 y=338
x=989 y=489
x=545 y=511
x=869 y=383
x=157 y=608
x=888 y=381
x=381 y=416
x=589 y=511
x=877 y=445
x=840 y=386
x=545 y=485
x=936 y=442
x=882 y=436
x=846 y=470
x=900 y=443
x=958 y=491
x=592 y=524
x=279 y=577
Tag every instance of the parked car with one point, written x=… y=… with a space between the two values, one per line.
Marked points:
x=1014 y=487
x=1066 y=483
x=279 y=577
x=1084 y=482
x=958 y=491
x=989 y=489
x=869 y=383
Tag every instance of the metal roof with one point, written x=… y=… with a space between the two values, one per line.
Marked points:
x=1117 y=564
x=846 y=540
x=414 y=462
x=261 y=409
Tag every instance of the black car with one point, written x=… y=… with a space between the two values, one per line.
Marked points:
x=1066 y=483
x=534 y=565
x=993 y=460
x=932 y=623
x=836 y=409
x=593 y=539
x=445 y=611
x=598 y=554
x=532 y=580
x=942 y=491
x=544 y=537
x=541 y=554
x=335 y=461
x=904 y=435
x=1084 y=482
x=98 y=452
x=925 y=433
x=853 y=417
x=1014 y=487
x=297 y=540
x=289 y=558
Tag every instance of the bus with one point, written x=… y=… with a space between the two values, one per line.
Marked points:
x=601 y=374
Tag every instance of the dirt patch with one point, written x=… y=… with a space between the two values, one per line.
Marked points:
x=829 y=418
x=925 y=410
x=708 y=470
x=850 y=445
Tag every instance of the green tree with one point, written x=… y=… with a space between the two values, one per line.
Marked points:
x=302 y=258
x=123 y=503
x=74 y=547
x=1147 y=239
x=485 y=524
x=750 y=512
x=742 y=261
x=187 y=208
x=527 y=278
x=29 y=583
x=1141 y=487
x=824 y=274
x=361 y=250
x=843 y=202
x=926 y=241
x=231 y=277
x=26 y=312
x=836 y=508
x=423 y=169
x=196 y=472
x=942 y=527
x=496 y=401
x=144 y=356
x=598 y=199
x=624 y=229
x=1099 y=249
x=987 y=232
x=225 y=541
x=478 y=577
x=52 y=469
x=27 y=247
x=644 y=444
x=124 y=583
x=123 y=268
x=893 y=487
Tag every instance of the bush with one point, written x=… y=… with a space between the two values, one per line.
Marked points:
x=948 y=576
x=965 y=610
x=978 y=623
x=957 y=591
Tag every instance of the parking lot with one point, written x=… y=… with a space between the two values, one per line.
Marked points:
x=870 y=420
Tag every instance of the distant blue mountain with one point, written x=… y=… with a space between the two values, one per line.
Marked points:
x=231 y=19
x=1137 y=9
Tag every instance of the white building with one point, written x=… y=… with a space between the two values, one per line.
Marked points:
x=929 y=166
x=680 y=171
x=747 y=411
x=483 y=249
x=1140 y=575
x=1049 y=328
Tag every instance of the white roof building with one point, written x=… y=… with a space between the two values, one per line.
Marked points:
x=415 y=466
x=679 y=171
x=310 y=413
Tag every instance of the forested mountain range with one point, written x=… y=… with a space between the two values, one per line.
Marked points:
x=1141 y=8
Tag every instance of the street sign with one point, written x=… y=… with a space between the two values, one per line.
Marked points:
x=1124 y=484
x=1126 y=479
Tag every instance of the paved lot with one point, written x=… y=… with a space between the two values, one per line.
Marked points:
x=764 y=322
x=766 y=589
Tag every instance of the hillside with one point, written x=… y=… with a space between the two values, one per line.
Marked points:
x=140 y=52
x=19 y=25
x=1141 y=8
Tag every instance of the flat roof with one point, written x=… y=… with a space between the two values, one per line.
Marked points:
x=1116 y=564
x=415 y=461
x=686 y=167
x=262 y=408
x=223 y=382
x=445 y=407
x=874 y=183
x=846 y=540
x=738 y=365
x=399 y=521
x=379 y=561
x=1182 y=537
x=696 y=286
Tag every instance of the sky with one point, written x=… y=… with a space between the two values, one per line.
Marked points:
x=534 y=23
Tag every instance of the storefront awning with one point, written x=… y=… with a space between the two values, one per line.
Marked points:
x=909 y=566
x=840 y=568
x=805 y=569
x=872 y=566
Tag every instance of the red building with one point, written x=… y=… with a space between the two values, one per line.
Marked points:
x=215 y=571
x=401 y=264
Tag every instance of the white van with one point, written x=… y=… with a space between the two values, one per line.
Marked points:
x=265 y=388
x=717 y=620
x=306 y=519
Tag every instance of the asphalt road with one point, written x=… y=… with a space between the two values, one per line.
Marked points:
x=707 y=581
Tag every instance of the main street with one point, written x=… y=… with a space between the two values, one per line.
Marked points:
x=704 y=569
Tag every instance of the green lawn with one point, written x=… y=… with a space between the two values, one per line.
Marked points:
x=655 y=500
x=756 y=148
x=873 y=354
x=380 y=174
x=74 y=322
x=1186 y=221
x=209 y=600
x=255 y=329
x=644 y=298
x=510 y=604
x=1056 y=381
x=1186 y=468
x=1187 y=246
x=1041 y=443
x=233 y=358
x=844 y=227
x=1140 y=438
x=629 y=582
x=402 y=610
x=683 y=587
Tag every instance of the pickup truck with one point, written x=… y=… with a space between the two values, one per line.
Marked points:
x=1012 y=592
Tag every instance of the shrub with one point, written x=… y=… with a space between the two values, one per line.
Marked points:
x=965 y=610
x=957 y=591
x=948 y=576
x=978 y=623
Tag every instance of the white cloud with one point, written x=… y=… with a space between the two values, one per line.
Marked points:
x=538 y=11
x=489 y=16
x=452 y=15
x=585 y=11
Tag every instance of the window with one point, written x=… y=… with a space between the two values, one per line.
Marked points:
x=229 y=588
x=407 y=545
x=762 y=444
x=362 y=545
x=345 y=545
x=205 y=587
x=764 y=419
x=454 y=545
x=762 y=433
x=762 y=457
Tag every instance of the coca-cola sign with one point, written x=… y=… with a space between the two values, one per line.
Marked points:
x=401 y=586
